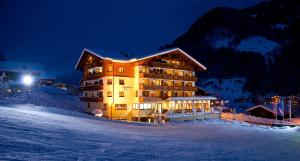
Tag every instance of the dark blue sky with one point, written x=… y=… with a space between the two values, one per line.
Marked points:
x=54 y=32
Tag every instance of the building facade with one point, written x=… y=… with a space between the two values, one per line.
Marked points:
x=140 y=89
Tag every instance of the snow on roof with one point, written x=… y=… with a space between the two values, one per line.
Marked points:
x=267 y=107
x=191 y=98
x=134 y=59
x=10 y=66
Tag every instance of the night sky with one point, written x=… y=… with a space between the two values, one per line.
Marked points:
x=54 y=32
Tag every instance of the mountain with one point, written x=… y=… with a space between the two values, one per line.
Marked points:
x=260 y=43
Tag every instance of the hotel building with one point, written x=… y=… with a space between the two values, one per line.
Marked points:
x=140 y=89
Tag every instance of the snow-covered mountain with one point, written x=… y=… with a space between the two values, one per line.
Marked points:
x=259 y=43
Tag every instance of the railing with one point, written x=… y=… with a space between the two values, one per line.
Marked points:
x=167 y=76
x=92 y=87
x=150 y=99
x=91 y=99
x=150 y=87
x=173 y=66
x=93 y=76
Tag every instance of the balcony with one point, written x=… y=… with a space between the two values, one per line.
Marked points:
x=96 y=75
x=150 y=99
x=93 y=87
x=151 y=75
x=178 y=88
x=190 y=78
x=167 y=76
x=190 y=88
x=168 y=88
x=172 y=66
x=91 y=99
x=150 y=87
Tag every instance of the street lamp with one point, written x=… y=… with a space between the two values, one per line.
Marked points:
x=27 y=80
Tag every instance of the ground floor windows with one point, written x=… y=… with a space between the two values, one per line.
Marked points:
x=121 y=106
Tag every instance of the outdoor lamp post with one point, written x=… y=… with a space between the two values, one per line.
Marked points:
x=28 y=81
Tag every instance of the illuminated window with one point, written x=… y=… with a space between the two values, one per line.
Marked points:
x=121 y=107
x=109 y=94
x=121 y=82
x=135 y=106
x=109 y=69
x=109 y=81
x=121 y=69
x=104 y=106
x=121 y=94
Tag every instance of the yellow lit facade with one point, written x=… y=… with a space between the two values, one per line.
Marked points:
x=140 y=89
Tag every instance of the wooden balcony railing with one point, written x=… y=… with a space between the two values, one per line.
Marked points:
x=167 y=76
x=190 y=88
x=150 y=87
x=91 y=99
x=172 y=66
x=150 y=99
x=93 y=76
x=93 y=87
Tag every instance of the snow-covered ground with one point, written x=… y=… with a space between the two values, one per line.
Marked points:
x=29 y=132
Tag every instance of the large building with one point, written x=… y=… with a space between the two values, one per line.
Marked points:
x=141 y=89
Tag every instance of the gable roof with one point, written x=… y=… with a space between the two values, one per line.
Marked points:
x=265 y=107
x=140 y=59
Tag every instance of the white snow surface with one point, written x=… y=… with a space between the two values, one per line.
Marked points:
x=29 y=132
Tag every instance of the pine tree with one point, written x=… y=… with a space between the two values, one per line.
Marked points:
x=4 y=85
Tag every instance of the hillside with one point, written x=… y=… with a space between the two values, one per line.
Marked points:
x=260 y=43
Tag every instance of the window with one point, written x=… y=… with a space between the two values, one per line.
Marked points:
x=146 y=93
x=135 y=106
x=121 y=107
x=109 y=81
x=121 y=93
x=100 y=94
x=136 y=93
x=109 y=69
x=121 y=82
x=121 y=69
x=100 y=81
x=88 y=105
x=145 y=106
x=85 y=94
x=103 y=107
x=109 y=94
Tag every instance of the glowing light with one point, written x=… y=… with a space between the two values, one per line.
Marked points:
x=27 y=80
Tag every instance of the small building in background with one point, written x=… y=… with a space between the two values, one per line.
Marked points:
x=265 y=111
x=15 y=70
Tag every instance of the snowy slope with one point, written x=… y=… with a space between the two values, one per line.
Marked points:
x=47 y=96
x=230 y=89
x=34 y=133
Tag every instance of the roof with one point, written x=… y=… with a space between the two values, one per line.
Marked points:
x=10 y=66
x=191 y=98
x=137 y=59
x=265 y=107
